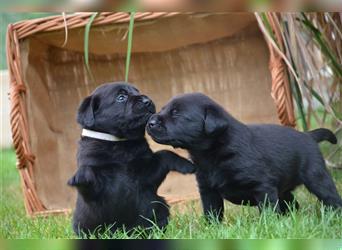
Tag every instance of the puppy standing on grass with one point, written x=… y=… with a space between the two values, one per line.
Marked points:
x=118 y=175
x=244 y=163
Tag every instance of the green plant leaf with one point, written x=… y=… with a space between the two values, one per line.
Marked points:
x=268 y=26
x=318 y=97
x=86 y=42
x=129 y=44
x=299 y=102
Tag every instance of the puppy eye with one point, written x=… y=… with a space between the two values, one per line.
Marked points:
x=174 y=112
x=121 y=98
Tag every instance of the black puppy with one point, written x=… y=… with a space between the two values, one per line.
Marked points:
x=244 y=163
x=118 y=175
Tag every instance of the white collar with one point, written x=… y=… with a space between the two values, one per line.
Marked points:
x=100 y=136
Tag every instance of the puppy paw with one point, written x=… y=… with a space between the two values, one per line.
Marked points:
x=174 y=162
x=83 y=177
x=187 y=168
x=192 y=169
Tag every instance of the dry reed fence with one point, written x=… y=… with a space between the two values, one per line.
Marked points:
x=311 y=46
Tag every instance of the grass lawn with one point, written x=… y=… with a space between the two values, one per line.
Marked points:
x=311 y=221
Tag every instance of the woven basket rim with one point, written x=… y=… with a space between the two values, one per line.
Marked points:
x=28 y=27
x=83 y=14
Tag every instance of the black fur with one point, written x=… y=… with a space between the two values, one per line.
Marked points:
x=244 y=163
x=117 y=182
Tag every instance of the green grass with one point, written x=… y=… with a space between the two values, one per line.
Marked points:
x=14 y=222
x=311 y=221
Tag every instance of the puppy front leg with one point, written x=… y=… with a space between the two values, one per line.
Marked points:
x=212 y=203
x=165 y=161
x=86 y=183
x=174 y=162
x=84 y=176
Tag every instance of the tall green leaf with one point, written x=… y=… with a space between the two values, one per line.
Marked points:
x=129 y=44
x=268 y=26
x=319 y=98
x=296 y=92
x=86 y=42
x=299 y=102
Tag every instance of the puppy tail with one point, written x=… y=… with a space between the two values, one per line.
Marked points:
x=323 y=134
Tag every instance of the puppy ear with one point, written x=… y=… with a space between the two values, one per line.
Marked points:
x=214 y=121
x=85 y=115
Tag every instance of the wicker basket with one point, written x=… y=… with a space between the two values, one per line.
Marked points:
x=221 y=54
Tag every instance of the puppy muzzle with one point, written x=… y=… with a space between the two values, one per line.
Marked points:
x=145 y=103
x=154 y=123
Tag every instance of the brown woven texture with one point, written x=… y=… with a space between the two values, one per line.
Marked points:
x=19 y=121
x=281 y=92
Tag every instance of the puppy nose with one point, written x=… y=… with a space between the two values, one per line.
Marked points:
x=145 y=100
x=153 y=122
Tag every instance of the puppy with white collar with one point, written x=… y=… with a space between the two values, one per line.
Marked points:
x=118 y=174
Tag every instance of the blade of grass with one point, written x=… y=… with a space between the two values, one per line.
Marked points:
x=129 y=44
x=268 y=25
x=86 y=42
x=288 y=27
x=299 y=102
x=294 y=85
x=296 y=92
